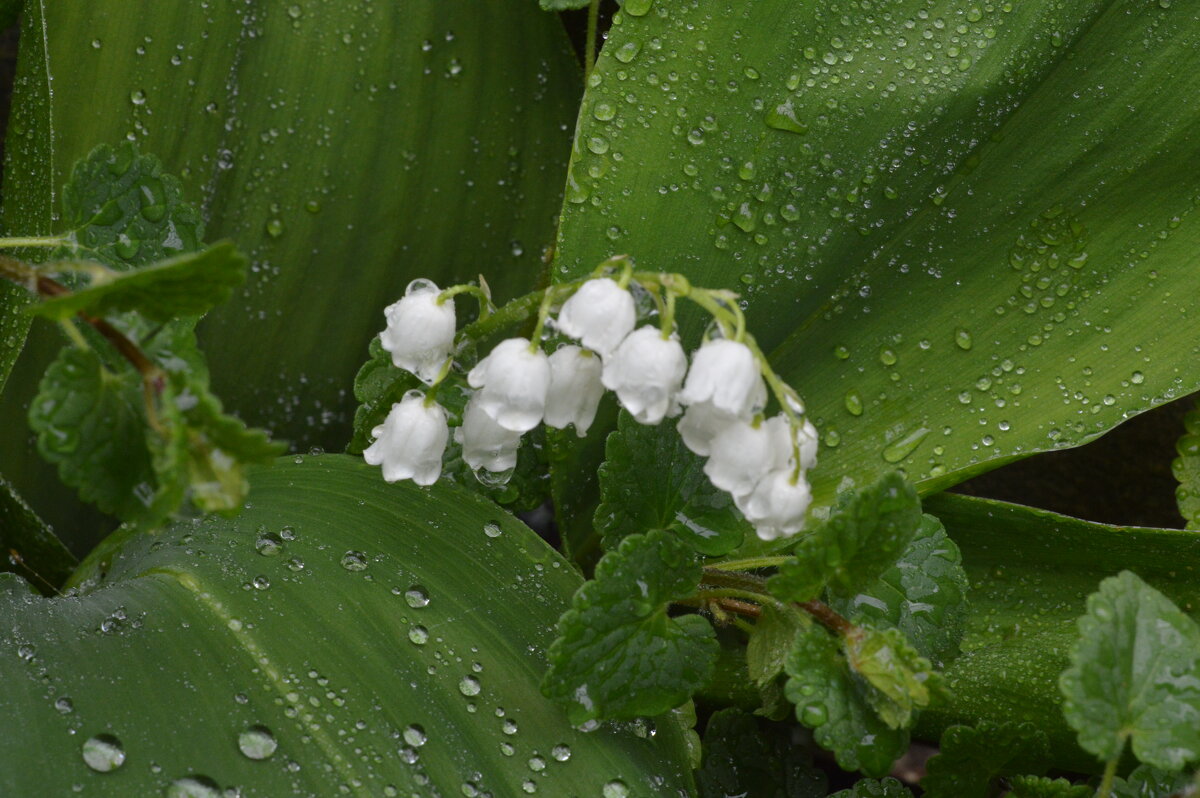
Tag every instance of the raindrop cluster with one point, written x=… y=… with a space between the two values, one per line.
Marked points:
x=761 y=461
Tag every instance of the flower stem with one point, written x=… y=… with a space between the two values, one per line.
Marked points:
x=33 y=241
x=1106 y=781
x=485 y=301
x=827 y=616
x=748 y=563
x=511 y=313
x=589 y=55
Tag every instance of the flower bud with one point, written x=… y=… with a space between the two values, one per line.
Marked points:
x=600 y=314
x=485 y=444
x=410 y=442
x=575 y=389
x=646 y=371
x=420 y=332
x=513 y=380
x=725 y=374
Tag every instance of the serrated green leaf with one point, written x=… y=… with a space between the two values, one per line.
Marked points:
x=90 y=423
x=1044 y=787
x=832 y=701
x=1146 y=781
x=969 y=758
x=772 y=641
x=650 y=480
x=41 y=556
x=562 y=5
x=378 y=385
x=184 y=285
x=122 y=209
x=872 y=788
x=923 y=595
x=860 y=540
x=748 y=757
x=903 y=681
x=1186 y=468
x=1133 y=676
x=618 y=654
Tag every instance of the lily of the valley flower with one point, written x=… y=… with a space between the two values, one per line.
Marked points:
x=777 y=505
x=485 y=444
x=740 y=455
x=410 y=442
x=575 y=389
x=600 y=314
x=646 y=371
x=420 y=332
x=513 y=381
x=725 y=374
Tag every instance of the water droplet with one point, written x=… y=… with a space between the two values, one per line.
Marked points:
x=64 y=705
x=902 y=447
x=415 y=736
x=416 y=597
x=137 y=97
x=193 y=787
x=509 y=726
x=813 y=715
x=962 y=338
x=492 y=529
x=257 y=742
x=103 y=753
x=615 y=789
x=274 y=228
x=854 y=402
x=637 y=8
x=841 y=352
x=628 y=51
x=469 y=686
x=1137 y=378
x=887 y=357
x=536 y=764
x=507 y=749
x=295 y=12
x=354 y=561
x=603 y=111
x=561 y=752
x=268 y=544
x=783 y=117
x=295 y=564
x=418 y=635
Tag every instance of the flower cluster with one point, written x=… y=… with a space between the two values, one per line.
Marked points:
x=762 y=462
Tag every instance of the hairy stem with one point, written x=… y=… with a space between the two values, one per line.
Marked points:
x=827 y=616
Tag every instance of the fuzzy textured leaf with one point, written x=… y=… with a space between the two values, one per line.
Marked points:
x=1044 y=787
x=834 y=703
x=1186 y=468
x=875 y=788
x=743 y=756
x=184 y=285
x=650 y=480
x=618 y=654
x=1146 y=781
x=969 y=758
x=902 y=681
x=923 y=595
x=1133 y=676
x=860 y=540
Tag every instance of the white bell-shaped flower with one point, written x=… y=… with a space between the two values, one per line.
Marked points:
x=600 y=314
x=513 y=380
x=782 y=450
x=740 y=455
x=420 y=332
x=725 y=374
x=646 y=371
x=410 y=442
x=485 y=444
x=778 y=504
x=575 y=389
x=702 y=421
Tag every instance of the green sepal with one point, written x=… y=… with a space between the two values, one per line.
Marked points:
x=970 y=757
x=873 y=788
x=923 y=594
x=650 y=480
x=833 y=701
x=1133 y=676
x=746 y=756
x=903 y=681
x=1044 y=787
x=184 y=285
x=619 y=655
x=860 y=540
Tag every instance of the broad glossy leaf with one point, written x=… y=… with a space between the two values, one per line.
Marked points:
x=922 y=595
x=969 y=758
x=853 y=548
x=346 y=147
x=833 y=702
x=35 y=544
x=962 y=226
x=744 y=756
x=618 y=654
x=326 y=640
x=1133 y=676
x=650 y=480
x=1186 y=468
x=875 y=788
x=184 y=285
x=1030 y=573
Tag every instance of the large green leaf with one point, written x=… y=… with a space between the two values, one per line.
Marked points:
x=962 y=225
x=1031 y=572
x=347 y=147
x=340 y=636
